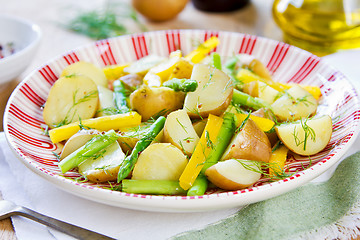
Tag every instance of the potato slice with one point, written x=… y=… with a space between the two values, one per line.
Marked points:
x=71 y=98
x=179 y=131
x=306 y=136
x=233 y=175
x=106 y=101
x=143 y=65
x=151 y=102
x=76 y=141
x=249 y=143
x=213 y=94
x=105 y=167
x=296 y=103
x=160 y=161
x=86 y=69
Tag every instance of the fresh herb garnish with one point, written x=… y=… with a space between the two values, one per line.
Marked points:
x=106 y=22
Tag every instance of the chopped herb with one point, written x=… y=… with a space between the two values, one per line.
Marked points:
x=209 y=143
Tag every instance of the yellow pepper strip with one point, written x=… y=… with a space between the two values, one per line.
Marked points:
x=115 y=71
x=105 y=123
x=202 y=150
x=277 y=160
x=245 y=75
x=263 y=123
x=200 y=53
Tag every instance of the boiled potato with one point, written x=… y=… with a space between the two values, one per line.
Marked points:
x=267 y=93
x=87 y=69
x=306 y=136
x=249 y=143
x=213 y=94
x=233 y=175
x=76 y=141
x=159 y=10
x=179 y=131
x=106 y=101
x=104 y=167
x=199 y=126
x=143 y=65
x=183 y=69
x=255 y=65
x=294 y=104
x=160 y=161
x=160 y=73
x=71 y=98
x=128 y=137
x=151 y=102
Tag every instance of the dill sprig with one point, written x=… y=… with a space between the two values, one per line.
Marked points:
x=308 y=132
x=105 y=22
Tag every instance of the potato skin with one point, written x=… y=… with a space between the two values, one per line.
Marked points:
x=149 y=102
x=99 y=176
x=249 y=143
x=231 y=175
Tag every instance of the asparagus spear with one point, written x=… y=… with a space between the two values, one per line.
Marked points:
x=90 y=149
x=120 y=94
x=183 y=85
x=199 y=187
x=165 y=187
x=216 y=60
x=129 y=162
x=249 y=101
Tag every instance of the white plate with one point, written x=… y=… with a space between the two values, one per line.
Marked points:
x=23 y=120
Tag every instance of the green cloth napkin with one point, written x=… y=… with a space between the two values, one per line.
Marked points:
x=330 y=209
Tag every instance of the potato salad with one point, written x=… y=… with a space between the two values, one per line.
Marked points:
x=182 y=124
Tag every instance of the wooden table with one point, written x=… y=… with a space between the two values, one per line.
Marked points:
x=48 y=14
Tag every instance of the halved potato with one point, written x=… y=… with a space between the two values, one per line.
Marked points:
x=76 y=141
x=106 y=101
x=234 y=174
x=143 y=65
x=213 y=94
x=294 y=104
x=86 y=69
x=71 y=98
x=105 y=167
x=160 y=161
x=306 y=136
x=179 y=131
x=249 y=143
x=151 y=102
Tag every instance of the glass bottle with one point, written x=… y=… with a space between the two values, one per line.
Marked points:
x=319 y=26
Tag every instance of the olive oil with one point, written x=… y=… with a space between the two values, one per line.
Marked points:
x=319 y=26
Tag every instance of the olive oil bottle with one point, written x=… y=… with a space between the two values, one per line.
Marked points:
x=319 y=26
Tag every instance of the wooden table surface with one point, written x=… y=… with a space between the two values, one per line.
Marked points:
x=49 y=14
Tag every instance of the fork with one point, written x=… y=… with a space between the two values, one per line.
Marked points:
x=8 y=209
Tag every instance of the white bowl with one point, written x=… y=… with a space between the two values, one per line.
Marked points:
x=23 y=121
x=26 y=37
